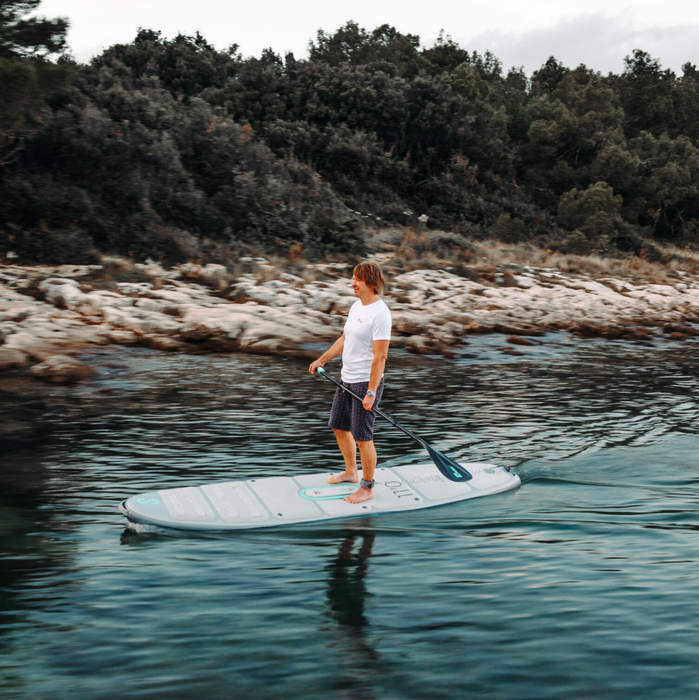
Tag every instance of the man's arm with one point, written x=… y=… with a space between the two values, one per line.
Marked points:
x=330 y=354
x=380 y=348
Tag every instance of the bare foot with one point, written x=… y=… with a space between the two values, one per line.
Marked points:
x=359 y=496
x=345 y=476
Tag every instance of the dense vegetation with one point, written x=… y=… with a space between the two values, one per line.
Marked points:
x=174 y=150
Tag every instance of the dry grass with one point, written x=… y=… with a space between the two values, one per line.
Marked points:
x=400 y=250
x=307 y=271
x=493 y=254
x=485 y=259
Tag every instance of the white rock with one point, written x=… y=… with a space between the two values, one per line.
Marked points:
x=213 y=273
x=122 y=337
x=320 y=301
x=524 y=282
x=63 y=294
x=294 y=279
x=60 y=369
x=409 y=322
x=137 y=288
x=207 y=323
x=12 y=357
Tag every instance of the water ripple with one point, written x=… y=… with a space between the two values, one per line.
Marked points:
x=580 y=584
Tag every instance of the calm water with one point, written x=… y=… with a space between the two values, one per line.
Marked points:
x=580 y=584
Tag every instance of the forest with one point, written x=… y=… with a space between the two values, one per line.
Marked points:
x=174 y=150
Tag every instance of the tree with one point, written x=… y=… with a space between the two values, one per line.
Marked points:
x=445 y=55
x=686 y=102
x=590 y=215
x=353 y=44
x=669 y=174
x=568 y=128
x=27 y=75
x=646 y=92
x=546 y=79
x=34 y=37
x=185 y=65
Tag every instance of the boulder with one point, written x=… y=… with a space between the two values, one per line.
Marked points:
x=60 y=369
x=409 y=322
x=320 y=301
x=516 y=340
x=420 y=344
x=61 y=293
x=203 y=324
x=214 y=275
x=122 y=337
x=11 y=357
x=159 y=342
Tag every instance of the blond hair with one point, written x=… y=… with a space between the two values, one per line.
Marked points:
x=370 y=273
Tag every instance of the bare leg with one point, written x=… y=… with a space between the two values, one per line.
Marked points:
x=348 y=447
x=367 y=452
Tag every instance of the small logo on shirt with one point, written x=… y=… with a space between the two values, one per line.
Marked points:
x=359 y=320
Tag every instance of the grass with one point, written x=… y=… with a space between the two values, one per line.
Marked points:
x=482 y=259
x=630 y=267
x=404 y=249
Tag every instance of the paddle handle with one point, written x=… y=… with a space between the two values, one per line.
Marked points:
x=378 y=411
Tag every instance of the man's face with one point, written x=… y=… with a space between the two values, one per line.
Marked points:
x=360 y=287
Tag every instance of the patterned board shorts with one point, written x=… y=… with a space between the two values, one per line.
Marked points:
x=348 y=414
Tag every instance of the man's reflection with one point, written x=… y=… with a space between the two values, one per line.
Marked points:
x=347 y=592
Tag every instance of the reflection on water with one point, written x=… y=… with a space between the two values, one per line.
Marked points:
x=348 y=599
x=579 y=584
x=346 y=590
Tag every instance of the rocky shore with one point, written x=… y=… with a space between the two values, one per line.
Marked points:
x=49 y=315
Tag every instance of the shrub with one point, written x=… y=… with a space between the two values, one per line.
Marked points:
x=509 y=230
x=50 y=247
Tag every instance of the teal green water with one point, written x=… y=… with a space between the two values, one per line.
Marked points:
x=580 y=584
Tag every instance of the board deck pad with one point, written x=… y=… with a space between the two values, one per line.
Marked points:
x=285 y=500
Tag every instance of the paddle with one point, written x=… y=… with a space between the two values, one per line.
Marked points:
x=448 y=467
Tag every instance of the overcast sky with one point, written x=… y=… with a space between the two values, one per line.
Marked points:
x=598 y=33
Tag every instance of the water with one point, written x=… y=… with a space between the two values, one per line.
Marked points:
x=580 y=584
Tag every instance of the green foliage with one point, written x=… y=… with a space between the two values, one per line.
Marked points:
x=669 y=191
x=354 y=45
x=170 y=148
x=27 y=77
x=577 y=207
x=646 y=93
x=29 y=37
x=185 y=66
x=547 y=78
x=50 y=246
x=508 y=229
x=433 y=249
x=590 y=215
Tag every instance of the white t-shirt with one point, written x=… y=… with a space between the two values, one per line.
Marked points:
x=364 y=325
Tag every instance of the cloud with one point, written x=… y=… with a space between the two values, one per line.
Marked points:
x=597 y=40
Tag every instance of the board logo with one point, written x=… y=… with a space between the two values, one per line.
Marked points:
x=148 y=501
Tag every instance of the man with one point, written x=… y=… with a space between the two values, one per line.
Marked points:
x=364 y=349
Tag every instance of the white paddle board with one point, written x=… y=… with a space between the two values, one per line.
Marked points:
x=284 y=500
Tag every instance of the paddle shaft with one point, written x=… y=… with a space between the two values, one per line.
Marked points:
x=378 y=411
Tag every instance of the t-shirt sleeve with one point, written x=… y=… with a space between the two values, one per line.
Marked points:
x=381 y=326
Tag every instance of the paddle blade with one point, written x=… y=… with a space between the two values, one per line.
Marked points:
x=448 y=467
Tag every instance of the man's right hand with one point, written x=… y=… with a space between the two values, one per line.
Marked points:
x=314 y=366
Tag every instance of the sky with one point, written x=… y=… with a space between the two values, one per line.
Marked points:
x=598 y=33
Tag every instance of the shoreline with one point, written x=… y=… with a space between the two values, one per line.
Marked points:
x=49 y=314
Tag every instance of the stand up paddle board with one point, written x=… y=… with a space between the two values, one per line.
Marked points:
x=283 y=500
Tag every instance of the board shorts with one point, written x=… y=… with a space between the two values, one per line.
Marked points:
x=349 y=415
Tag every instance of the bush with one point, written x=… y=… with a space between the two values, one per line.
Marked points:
x=432 y=249
x=509 y=230
x=50 y=247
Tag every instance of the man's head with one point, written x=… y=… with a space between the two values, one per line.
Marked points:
x=370 y=273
